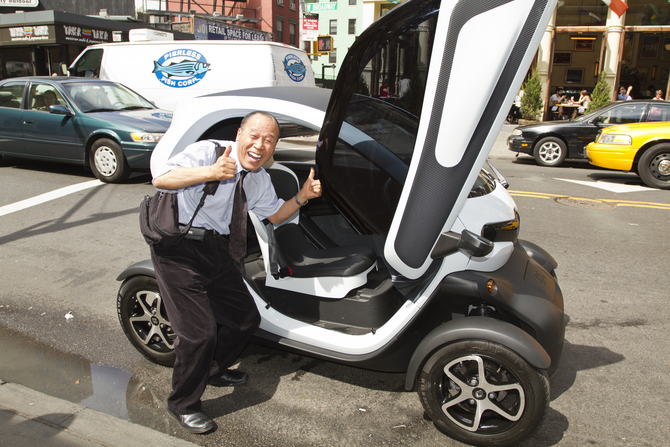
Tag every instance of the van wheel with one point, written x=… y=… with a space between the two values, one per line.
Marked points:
x=483 y=394
x=144 y=319
x=108 y=162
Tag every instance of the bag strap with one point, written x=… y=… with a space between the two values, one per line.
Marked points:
x=210 y=187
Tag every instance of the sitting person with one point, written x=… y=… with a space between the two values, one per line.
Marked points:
x=659 y=95
x=584 y=100
x=50 y=99
x=556 y=99
x=624 y=95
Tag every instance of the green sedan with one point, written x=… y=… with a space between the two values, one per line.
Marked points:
x=101 y=125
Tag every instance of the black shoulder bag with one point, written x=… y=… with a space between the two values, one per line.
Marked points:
x=159 y=214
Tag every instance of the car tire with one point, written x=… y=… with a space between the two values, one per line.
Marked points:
x=550 y=151
x=144 y=319
x=503 y=409
x=654 y=166
x=108 y=162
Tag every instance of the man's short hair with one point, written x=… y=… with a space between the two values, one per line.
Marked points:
x=262 y=113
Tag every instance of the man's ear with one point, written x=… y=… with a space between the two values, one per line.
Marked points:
x=239 y=132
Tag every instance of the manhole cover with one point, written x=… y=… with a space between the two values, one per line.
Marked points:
x=584 y=203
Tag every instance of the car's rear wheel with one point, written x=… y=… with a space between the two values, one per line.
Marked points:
x=654 y=166
x=108 y=162
x=550 y=151
x=482 y=393
x=144 y=319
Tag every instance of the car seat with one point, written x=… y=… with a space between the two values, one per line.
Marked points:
x=293 y=263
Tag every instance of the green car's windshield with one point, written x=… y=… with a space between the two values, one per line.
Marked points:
x=99 y=97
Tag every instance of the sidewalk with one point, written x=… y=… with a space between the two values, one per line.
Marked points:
x=31 y=418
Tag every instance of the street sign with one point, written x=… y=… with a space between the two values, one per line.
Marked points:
x=310 y=27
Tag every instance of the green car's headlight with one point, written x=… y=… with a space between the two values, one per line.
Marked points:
x=146 y=137
x=612 y=138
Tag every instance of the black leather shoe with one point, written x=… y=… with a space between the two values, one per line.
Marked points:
x=197 y=422
x=230 y=377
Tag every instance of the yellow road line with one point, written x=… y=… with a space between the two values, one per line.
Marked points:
x=630 y=203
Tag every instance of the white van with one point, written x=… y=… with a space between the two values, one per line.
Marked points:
x=165 y=72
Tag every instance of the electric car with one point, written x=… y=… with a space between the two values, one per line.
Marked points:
x=411 y=260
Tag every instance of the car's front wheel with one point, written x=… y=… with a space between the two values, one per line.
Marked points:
x=550 y=151
x=482 y=393
x=108 y=162
x=654 y=166
x=144 y=319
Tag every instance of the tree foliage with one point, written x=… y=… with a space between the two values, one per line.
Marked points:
x=531 y=101
x=601 y=95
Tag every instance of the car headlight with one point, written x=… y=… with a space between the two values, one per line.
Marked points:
x=516 y=132
x=612 y=138
x=146 y=137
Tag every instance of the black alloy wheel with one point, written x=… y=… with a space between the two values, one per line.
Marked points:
x=144 y=319
x=483 y=394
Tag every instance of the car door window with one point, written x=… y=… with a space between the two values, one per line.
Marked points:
x=659 y=112
x=11 y=94
x=44 y=95
x=625 y=113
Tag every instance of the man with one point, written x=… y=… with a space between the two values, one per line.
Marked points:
x=210 y=308
x=624 y=95
x=555 y=100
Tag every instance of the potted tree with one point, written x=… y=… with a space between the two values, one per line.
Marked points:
x=531 y=101
x=601 y=94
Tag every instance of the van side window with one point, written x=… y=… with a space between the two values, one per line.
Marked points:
x=88 y=65
x=11 y=95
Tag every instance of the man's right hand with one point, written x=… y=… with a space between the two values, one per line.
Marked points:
x=224 y=168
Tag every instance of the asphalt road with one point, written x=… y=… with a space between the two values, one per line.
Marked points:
x=62 y=255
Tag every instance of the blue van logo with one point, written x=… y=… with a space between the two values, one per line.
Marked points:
x=181 y=68
x=294 y=67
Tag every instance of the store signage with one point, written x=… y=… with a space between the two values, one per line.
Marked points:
x=79 y=34
x=316 y=7
x=29 y=33
x=209 y=30
x=19 y=3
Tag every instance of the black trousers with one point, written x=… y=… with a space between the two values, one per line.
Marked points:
x=211 y=312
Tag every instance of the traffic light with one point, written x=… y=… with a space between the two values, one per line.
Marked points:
x=324 y=44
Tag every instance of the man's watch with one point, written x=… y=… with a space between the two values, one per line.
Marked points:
x=298 y=202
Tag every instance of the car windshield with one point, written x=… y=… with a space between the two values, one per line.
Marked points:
x=105 y=97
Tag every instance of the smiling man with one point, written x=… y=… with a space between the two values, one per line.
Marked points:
x=210 y=308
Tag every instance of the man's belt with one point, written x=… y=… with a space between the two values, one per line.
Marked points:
x=199 y=234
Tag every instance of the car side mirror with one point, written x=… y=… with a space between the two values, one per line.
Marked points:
x=597 y=120
x=60 y=110
x=468 y=242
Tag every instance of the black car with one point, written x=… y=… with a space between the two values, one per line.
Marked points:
x=554 y=141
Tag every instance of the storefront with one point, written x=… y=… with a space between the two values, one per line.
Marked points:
x=41 y=42
x=585 y=37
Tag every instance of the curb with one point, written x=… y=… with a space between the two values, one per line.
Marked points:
x=48 y=420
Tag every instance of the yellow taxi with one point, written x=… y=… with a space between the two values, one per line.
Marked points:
x=643 y=148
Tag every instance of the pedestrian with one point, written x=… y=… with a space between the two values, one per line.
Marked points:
x=211 y=311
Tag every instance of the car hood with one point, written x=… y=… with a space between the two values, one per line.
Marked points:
x=548 y=127
x=149 y=120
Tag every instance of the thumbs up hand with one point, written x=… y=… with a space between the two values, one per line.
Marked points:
x=311 y=189
x=224 y=168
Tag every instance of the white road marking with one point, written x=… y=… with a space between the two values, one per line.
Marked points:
x=46 y=197
x=609 y=185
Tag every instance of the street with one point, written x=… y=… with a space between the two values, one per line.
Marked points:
x=60 y=255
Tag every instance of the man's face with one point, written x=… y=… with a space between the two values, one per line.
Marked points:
x=256 y=142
